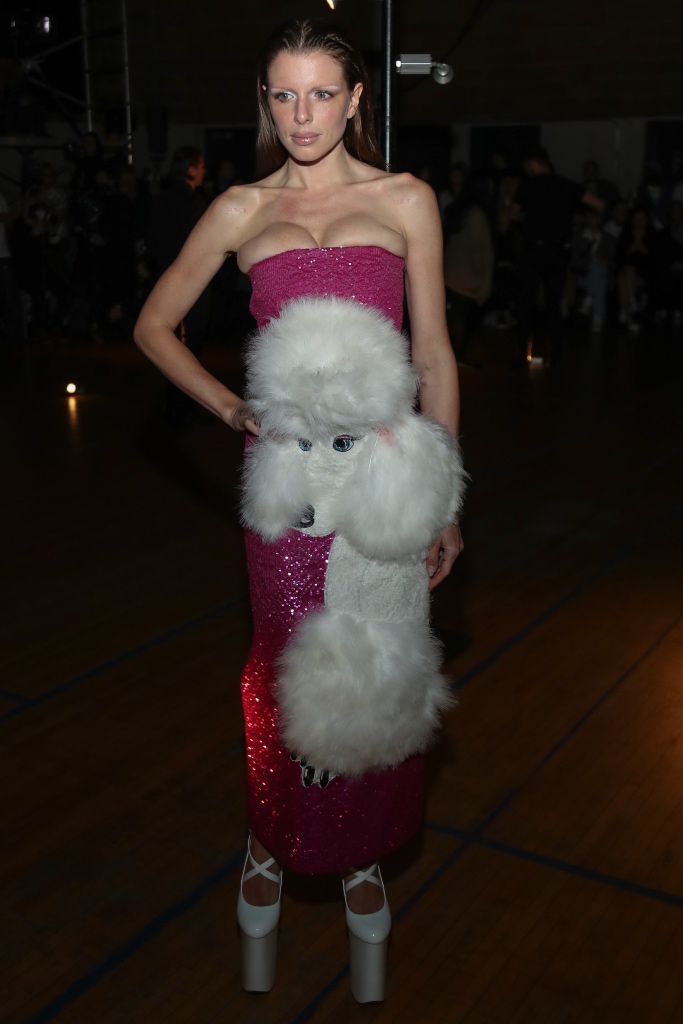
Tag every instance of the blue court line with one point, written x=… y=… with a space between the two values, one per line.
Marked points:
x=8 y=695
x=310 y=1009
x=477 y=837
x=578 y=434
x=473 y=839
x=28 y=703
x=581 y=588
x=145 y=935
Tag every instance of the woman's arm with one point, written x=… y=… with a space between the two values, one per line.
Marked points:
x=217 y=233
x=432 y=352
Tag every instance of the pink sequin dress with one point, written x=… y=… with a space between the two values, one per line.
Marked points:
x=307 y=826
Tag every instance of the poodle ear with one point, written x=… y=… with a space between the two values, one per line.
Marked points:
x=274 y=487
x=407 y=486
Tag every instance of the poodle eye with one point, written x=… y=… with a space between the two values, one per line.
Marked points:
x=305 y=445
x=343 y=443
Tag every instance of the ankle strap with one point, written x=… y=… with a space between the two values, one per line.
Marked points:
x=365 y=876
x=260 y=869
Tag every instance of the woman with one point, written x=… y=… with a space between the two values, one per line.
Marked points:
x=325 y=220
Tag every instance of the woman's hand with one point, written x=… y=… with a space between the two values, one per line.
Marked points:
x=443 y=554
x=242 y=418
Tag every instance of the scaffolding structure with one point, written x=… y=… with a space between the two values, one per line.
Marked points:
x=106 y=77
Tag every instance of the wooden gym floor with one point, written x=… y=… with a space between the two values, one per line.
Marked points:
x=547 y=887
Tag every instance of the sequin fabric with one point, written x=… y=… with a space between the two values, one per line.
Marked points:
x=350 y=821
x=367 y=273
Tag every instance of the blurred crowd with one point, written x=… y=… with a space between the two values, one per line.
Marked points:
x=82 y=246
x=525 y=248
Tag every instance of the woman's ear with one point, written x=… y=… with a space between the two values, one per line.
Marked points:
x=355 y=100
x=407 y=486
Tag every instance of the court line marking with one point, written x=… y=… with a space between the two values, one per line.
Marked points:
x=28 y=703
x=467 y=839
x=120 y=659
x=477 y=838
x=613 y=881
x=123 y=952
x=571 y=436
x=577 y=591
x=8 y=695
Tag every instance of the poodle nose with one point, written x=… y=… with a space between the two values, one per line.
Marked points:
x=307 y=517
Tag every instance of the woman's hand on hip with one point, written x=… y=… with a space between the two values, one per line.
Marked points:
x=443 y=554
x=242 y=418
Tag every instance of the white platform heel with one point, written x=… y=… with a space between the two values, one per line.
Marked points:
x=369 y=940
x=258 y=926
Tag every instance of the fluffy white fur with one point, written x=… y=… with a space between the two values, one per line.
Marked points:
x=327 y=366
x=405 y=489
x=359 y=684
x=273 y=488
x=357 y=694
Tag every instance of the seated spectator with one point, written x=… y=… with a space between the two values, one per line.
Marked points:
x=635 y=264
x=598 y=186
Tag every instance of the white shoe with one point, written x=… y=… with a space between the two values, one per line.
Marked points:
x=258 y=926
x=369 y=940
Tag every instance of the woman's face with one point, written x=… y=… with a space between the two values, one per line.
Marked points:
x=310 y=103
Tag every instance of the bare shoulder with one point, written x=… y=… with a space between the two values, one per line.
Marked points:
x=234 y=210
x=413 y=204
x=407 y=190
x=236 y=202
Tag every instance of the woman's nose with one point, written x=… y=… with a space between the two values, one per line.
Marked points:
x=302 y=113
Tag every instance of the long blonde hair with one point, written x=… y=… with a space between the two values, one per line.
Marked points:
x=306 y=36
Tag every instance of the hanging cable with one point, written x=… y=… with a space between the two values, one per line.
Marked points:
x=474 y=16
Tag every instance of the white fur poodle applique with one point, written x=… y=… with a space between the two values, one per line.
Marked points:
x=342 y=451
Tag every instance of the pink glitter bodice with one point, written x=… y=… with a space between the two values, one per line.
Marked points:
x=350 y=821
x=367 y=273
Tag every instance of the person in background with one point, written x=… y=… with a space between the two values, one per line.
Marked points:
x=89 y=163
x=654 y=197
x=545 y=204
x=124 y=228
x=175 y=212
x=669 y=268
x=468 y=260
x=592 y=259
x=635 y=259
x=598 y=186
x=10 y=301
x=457 y=176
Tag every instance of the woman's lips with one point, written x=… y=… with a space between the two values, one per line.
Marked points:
x=304 y=138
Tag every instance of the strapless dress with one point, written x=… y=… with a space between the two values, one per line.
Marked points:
x=312 y=824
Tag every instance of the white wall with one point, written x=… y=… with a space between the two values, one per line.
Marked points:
x=618 y=146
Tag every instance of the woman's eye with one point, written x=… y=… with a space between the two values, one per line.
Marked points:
x=343 y=443
x=323 y=94
x=283 y=96
x=305 y=445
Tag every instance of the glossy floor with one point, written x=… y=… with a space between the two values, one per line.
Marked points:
x=548 y=884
